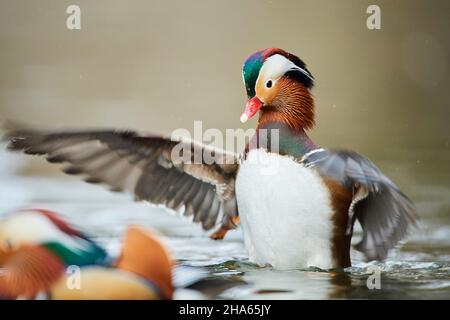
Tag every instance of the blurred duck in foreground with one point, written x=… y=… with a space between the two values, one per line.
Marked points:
x=38 y=249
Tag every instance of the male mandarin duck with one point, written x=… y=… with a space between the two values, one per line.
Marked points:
x=297 y=203
x=37 y=249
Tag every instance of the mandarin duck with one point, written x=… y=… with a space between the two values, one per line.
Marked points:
x=297 y=203
x=38 y=250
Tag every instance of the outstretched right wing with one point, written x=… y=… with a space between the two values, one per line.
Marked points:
x=384 y=212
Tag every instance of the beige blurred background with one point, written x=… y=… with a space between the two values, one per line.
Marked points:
x=160 y=65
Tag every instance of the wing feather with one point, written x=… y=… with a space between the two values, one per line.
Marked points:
x=384 y=212
x=142 y=164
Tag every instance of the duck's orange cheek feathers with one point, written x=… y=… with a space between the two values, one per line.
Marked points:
x=268 y=95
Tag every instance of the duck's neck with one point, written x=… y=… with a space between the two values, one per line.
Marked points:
x=279 y=137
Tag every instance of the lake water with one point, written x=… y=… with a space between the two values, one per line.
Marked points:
x=420 y=269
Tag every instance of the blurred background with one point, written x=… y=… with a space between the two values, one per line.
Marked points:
x=161 y=65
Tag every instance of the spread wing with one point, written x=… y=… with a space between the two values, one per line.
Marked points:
x=157 y=169
x=28 y=271
x=384 y=212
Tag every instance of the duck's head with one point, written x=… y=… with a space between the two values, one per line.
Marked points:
x=34 y=227
x=37 y=227
x=278 y=85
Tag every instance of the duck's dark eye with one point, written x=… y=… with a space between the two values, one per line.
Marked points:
x=269 y=84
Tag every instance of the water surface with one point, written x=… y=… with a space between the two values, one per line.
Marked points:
x=420 y=269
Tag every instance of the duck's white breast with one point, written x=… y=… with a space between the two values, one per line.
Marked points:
x=285 y=211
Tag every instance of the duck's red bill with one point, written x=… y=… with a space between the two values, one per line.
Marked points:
x=252 y=107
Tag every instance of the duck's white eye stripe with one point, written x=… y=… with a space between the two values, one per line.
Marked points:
x=277 y=65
